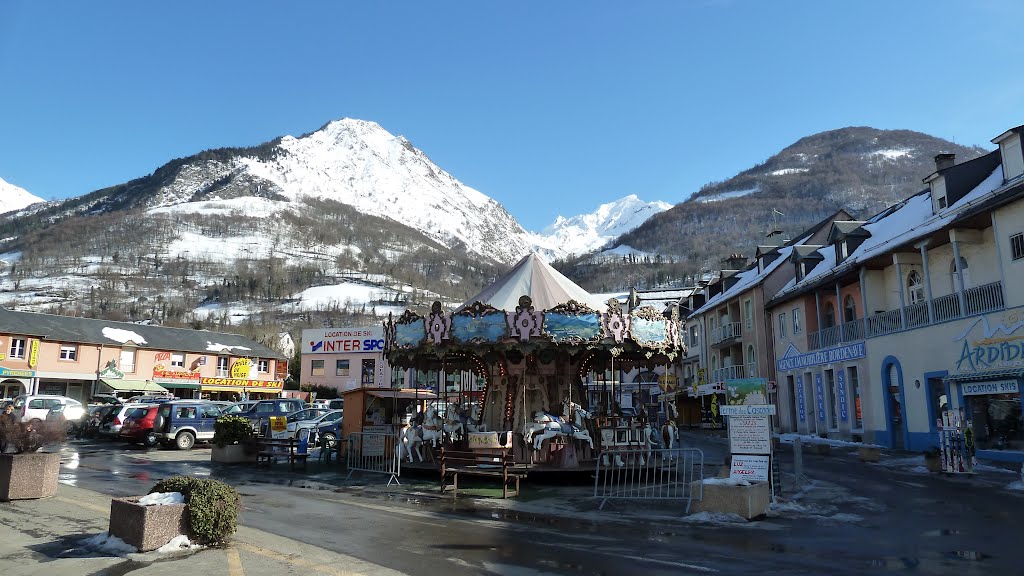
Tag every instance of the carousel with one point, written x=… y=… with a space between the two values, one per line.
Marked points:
x=534 y=364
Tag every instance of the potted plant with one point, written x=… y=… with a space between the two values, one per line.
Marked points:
x=207 y=513
x=234 y=440
x=25 y=471
x=933 y=459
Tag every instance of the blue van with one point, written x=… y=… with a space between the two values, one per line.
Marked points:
x=182 y=423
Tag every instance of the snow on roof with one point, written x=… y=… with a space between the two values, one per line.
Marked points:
x=907 y=223
x=211 y=347
x=748 y=279
x=122 y=336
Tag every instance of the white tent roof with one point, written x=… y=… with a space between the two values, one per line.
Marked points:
x=534 y=277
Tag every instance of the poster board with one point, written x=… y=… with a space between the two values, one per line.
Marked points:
x=750 y=435
x=749 y=468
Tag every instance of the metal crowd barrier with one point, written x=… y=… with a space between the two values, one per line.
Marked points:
x=650 y=475
x=374 y=452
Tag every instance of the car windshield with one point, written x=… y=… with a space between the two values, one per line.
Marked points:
x=137 y=412
x=330 y=417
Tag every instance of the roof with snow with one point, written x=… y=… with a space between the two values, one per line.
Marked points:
x=534 y=277
x=899 y=225
x=93 y=331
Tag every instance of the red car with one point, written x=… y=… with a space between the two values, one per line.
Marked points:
x=138 y=426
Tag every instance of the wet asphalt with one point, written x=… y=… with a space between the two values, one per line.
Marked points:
x=853 y=518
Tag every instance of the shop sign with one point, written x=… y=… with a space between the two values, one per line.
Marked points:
x=240 y=383
x=489 y=439
x=748 y=410
x=793 y=359
x=373 y=440
x=820 y=388
x=749 y=468
x=801 y=407
x=240 y=368
x=176 y=377
x=281 y=369
x=747 y=390
x=979 y=388
x=335 y=340
x=994 y=347
x=159 y=356
x=668 y=382
x=841 y=392
x=749 y=434
x=33 y=356
x=110 y=372
x=14 y=373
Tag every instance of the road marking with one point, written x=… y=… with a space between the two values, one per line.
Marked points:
x=384 y=509
x=234 y=561
x=86 y=505
x=298 y=561
x=668 y=563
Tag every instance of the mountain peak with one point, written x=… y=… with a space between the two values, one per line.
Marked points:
x=15 y=198
x=588 y=232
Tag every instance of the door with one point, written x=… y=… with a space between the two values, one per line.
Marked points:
x=895 y=407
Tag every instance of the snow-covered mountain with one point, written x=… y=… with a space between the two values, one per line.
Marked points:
x=354 y=162
x=14 y=198
x=588 y=232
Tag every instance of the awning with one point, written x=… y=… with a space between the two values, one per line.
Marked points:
x=406 y=394
x=241 y=389
x=133 y=385
x=986 y=375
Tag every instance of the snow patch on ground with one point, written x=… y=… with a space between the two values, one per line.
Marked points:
x=784 y=171
x=727 y=195
x=160 y=498
x=893 y=153
x=727 y=481
x=178 y=544
x=806 y=439
x=1018 y=486
x=715 y=518
x=107 y=544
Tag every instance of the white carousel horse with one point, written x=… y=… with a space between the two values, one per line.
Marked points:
x=555 y=425
x=673 y=412
x=576 y=412
x=649 y=440
x=410 y=440
x=531 y=428
x=454 y=425
x=668 y=437
x=473 y=423
x=432 y=429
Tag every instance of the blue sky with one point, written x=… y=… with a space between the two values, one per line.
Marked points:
x=549 y=107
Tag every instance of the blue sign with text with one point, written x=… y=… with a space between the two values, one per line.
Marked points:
x=841 y=384
x=801 y=408
x=793 y=359
x=821 y=396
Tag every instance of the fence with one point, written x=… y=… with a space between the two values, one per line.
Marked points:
x=650 y=475
x=375 y=453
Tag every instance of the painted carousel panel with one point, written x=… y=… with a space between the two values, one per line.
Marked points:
x=644 y=330
x=486 y=328
x=572 y=327
x=409 y=335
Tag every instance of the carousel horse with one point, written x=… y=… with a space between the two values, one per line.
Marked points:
x=649 y=441
x=472 y=422
x=554 y=425
x=668 y=437
x=454 y=423
x=673 y=412
x=432 y=429
x=576 y=412
x=410 y=440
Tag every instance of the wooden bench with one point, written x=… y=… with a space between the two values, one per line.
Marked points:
x=270 y=449
x=499 y=464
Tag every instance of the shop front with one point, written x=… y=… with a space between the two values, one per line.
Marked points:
x=239 y=389
x=345 y=358
x=180 y=383
x=821 y=392
x=14 y=382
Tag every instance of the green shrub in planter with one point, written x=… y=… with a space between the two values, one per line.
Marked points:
x=212 y=506
x=228 y=430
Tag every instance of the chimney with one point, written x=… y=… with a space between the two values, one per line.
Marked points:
x=735 y=262
x=944 y=160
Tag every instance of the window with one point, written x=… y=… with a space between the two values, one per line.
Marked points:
x=1017 y=246
x=263 y=366
x=942 y=202
x=830 y=315
x=915 y=288
x=127 y=362
x=316 y=368
x=177 y=360
x=17 y=348
x=341 y=367
x=186 y=412
x=69 y=352
x=748 y=315
x=222 y=366
x=849 y=309
x=963 y=272
x=369 y=371
x=751 y=362
x=693 y=336
x=782 y=325
x=844 y=250
x=796 y=320
x=398 y=378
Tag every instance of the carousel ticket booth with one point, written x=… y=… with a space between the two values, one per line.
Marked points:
x=376 y=411
x=535 y=341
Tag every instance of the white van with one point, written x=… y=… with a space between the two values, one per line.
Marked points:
x=35 y=407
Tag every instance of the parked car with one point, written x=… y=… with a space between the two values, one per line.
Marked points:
x=151 y=399
x=277 y=407
x=304 y=419
x=239 y=407
x=329 y=432
x=182 y=423
x=105 y=399
x=138 y=426
x=110 y=426
x=93 y=419
x=336 y=404
x=36 y=407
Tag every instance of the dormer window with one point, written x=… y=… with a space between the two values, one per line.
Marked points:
x=942 y=202
x=1010 y=152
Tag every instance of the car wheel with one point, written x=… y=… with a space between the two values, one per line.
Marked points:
x=150 y=440
x=185 y=441
x=330 y=440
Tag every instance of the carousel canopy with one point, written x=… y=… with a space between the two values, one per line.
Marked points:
x=534 y=277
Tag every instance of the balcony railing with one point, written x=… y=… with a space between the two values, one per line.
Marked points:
x=725 y=332
x=728 y=373
x=979 y=300
x=833 y=335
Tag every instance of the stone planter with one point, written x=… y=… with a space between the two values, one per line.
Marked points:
x=933 y=462
x=231 y=454
x=147 y=527
x=747 y=501
x=869 y=454
x=27 y=476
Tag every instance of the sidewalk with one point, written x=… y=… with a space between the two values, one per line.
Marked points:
x=49 y=536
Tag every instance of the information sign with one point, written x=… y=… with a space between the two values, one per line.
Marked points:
x=750 y=435
x=749 y=468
